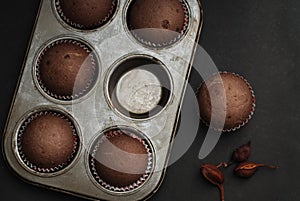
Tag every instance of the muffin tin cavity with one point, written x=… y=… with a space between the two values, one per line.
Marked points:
x=157 y=23
x=87 y=14
x=47 y=141
x=120 y=159
x=66 y=69
x=139 y=87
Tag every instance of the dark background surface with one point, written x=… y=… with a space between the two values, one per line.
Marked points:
x=257 y=39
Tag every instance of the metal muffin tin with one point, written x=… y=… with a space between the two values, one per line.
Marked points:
x=96 y=111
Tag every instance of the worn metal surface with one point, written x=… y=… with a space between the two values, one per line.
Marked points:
x=93 y=113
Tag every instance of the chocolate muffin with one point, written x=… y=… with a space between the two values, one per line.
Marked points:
x=66 y=70
x=232 y=98
x=47 y=142
x=157 y=21
x=120 y=159
x=87 y=14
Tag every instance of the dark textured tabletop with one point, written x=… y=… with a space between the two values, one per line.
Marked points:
x=257 y=39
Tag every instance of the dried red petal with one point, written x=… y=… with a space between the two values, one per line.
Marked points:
x=214 y=176
x=242 y=153
x=248 y=169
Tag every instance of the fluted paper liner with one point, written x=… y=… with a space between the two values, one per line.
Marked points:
x=89 y=84
x=106 y=185
x=34 y=166
x=167 y=43
x=83 y=27
x=251 y=111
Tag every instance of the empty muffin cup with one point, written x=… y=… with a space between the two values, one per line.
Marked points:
x=138 y=87
x=47 y=142
x=66 y=69
x=87 y=14
x=157 y=23
x=121 y=159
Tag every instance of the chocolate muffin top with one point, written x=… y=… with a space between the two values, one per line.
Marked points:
x=48 y=141
x=232 y=103
x=121 y=160
x=156 y=21
x=66 y=69
x=87 y=14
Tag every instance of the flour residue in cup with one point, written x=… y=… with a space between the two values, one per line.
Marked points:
x=139 y=91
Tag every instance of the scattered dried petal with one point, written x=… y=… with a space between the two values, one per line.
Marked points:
x=248 y=169
x=214 y=176
x=242 y=153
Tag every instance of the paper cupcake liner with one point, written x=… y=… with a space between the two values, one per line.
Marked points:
x=89 y=83
x=168 y=43
x=106 y=185
x=251 y=111
x=34 y=166
x=80 y=26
